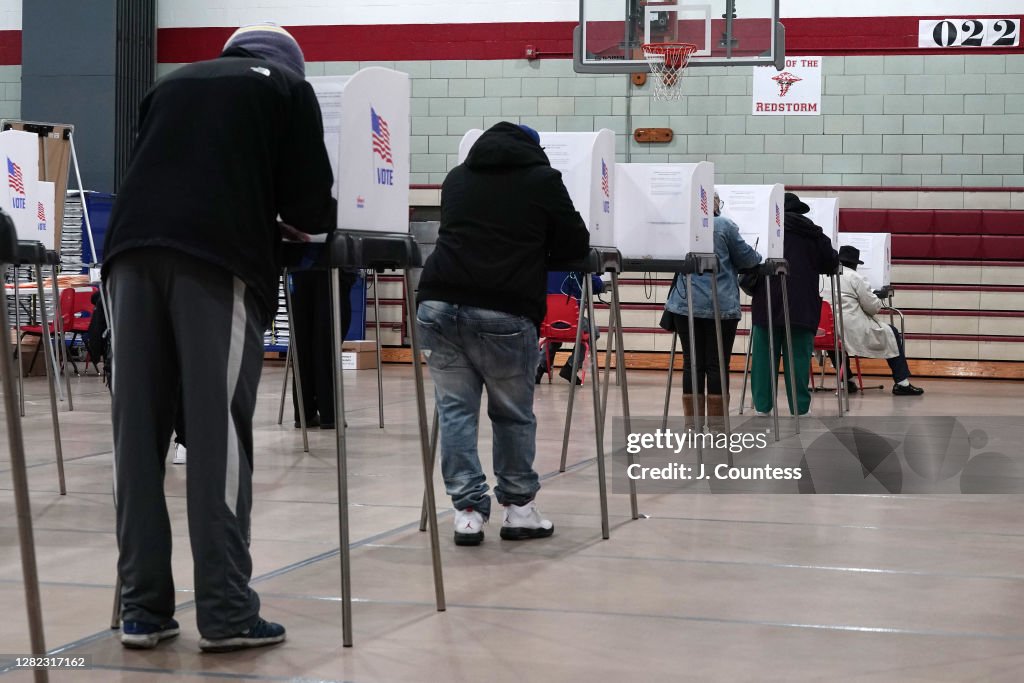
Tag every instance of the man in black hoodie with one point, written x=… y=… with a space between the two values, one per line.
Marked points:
x=810 y=254
x=224 y=148
x=504 y=213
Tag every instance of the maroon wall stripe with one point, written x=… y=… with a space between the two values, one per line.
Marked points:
x=805 y=36
x=10 y=48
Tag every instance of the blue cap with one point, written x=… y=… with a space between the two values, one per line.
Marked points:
x=534 y=135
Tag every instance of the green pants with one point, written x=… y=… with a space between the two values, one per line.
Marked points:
x=765 y=367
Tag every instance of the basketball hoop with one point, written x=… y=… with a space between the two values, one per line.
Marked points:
x=667 y=61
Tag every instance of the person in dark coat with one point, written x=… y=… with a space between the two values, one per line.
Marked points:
x=810 y=254
x=225 y=147
x=482 y=297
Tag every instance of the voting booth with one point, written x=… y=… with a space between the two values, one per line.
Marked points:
x=759 y=212
x=19 y=154
x=587 y=163
x=366 y=131
x=825 y=213
x=876 y=253
x=46 y=218
x=664 y=211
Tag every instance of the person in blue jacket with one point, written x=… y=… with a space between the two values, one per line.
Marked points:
x=734 y=254
x=569 y=284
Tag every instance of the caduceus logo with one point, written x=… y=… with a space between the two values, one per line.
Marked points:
x=786 y=81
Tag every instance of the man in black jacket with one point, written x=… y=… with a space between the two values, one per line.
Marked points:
x=504 y=213
x=224 y=148
x=810 y=254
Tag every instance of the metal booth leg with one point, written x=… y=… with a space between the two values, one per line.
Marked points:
x=342 y=458
x=840 y=361
x=773 y=360
x=58 y=321
x=746 y=365
x=841 y=332
x=284 y=384
x=572 y=385
x=620 y=362
x=17 y=341
x=380 y=369
x=425 y=451
x=22 y=504
x=602 y=480
x=115 y=615
x=789 y=353
x=51 y=379
x=668 y=383
x=723 y=369
x=293 y=342
x=612 y=339
x=435 y=431
x=696 y=397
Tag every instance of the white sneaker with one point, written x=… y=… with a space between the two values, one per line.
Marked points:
x=523 y=522
x=179 y=454
x=469 y=527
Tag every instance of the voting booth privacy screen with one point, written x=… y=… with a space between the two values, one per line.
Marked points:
x=366 y=131
x=664 y=211
x=587 y=164
x=758 y=210
x=19 y=154
x=825 y=213
x=876 y=253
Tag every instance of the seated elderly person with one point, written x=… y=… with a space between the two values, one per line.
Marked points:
x=864 y=335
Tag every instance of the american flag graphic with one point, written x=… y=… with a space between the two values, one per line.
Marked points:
x=604 y=179
x=703 y=201
x=778 y=216
x=40 y=211
x=15 y=180
x=381 y=137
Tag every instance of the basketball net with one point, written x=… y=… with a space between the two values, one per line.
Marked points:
x=667 y=61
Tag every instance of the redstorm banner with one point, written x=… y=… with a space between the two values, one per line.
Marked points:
x=794 y=91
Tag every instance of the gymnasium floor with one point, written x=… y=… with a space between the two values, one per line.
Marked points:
x=706 y=588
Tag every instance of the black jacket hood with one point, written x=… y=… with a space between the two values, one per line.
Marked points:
x=505 y=145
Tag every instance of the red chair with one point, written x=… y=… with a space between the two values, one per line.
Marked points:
x=76 y=312
x=559 y=325
x=825 y=340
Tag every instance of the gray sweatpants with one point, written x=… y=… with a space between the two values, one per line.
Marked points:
x=181 y=323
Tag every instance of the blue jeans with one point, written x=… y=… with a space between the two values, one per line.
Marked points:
x=467 y=349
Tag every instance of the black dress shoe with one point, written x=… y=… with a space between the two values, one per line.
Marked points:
x=906 y=390
x=851 y=387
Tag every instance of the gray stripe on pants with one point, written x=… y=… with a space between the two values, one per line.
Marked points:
x=238 y=325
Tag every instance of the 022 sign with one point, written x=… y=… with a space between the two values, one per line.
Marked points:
x=968 y=33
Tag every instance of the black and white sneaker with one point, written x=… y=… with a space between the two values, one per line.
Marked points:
x=260 y=634
x=523 y=522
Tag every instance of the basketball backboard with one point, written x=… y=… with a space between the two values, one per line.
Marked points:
x=726 y=32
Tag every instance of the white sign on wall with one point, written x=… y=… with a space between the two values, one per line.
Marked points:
x=796 y=90
x=968 y=33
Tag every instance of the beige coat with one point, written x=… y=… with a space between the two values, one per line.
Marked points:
x=865 y=335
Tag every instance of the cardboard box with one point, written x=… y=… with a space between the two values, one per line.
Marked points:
x=358 y=360
x=359 y=345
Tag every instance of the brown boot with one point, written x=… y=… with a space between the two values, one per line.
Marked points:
x=688 y=416
x=717 y=405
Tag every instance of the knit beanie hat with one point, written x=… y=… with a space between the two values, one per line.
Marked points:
x=534 y=135
x=271 y=42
